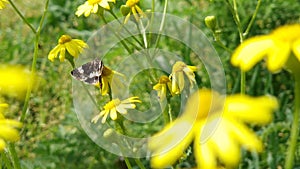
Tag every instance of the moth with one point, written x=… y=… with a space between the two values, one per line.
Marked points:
x=90 y=72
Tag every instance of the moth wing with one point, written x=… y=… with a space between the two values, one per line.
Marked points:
x=89 y=72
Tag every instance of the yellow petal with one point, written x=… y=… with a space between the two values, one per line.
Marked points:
x=11 y=123
x=135 y=13
x=168 y=145
x=106 y=113
x=252 y=51
x=205 y=157
x=72 y=49
x=80 y=10
x=94 y=8
x=250 y=109
x=278 y=55
x=225 y=146
x=62 y=54
x=104 y=4
x=2 y=144
x=138 y=9
x=105 y=87
x=9 y=133
x=113 y=114
x=54 y=52
x=244 y=136
x=96 y=118
x=122 y=108
x=296 y=48
x=180 y=80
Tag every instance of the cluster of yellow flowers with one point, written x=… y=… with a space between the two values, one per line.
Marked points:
x=14 y=83
x=175 y=82
x=98 y=6
x=8 y=129
x=2 y=3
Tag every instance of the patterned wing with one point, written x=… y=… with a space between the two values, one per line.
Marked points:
x=90 y=72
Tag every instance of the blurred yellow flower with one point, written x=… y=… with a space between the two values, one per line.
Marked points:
x=217 y=129
x=177 y=76
x=8 y=130
x=73 y=46
x=2 y=3
x=162 y=86
x=2 y=106
x=14 y=80
x=275 y=47
x=116 y=106
x=91 y=6
x=107 y=77
x=131 y=6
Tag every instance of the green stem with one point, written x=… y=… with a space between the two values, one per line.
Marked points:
x=22 y=17
x=127 y=163
x=151 y=21
x=295 y=126
x=117 y=35
x=243 y=82
x=33 y=65
x=162 y=24
x=4 y=157
x=115 y=16
x=139 y=163
x=13 y=155
x=252 y=18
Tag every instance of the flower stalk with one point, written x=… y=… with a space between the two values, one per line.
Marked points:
x=34 y=59
x=22 y=16
x=295 y=126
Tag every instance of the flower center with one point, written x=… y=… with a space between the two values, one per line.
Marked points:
x=287 y=33
x=132 y=3
x=106 y=71
x=178 y=66
x=94 y=2
x=64 y=39
x=112 y=104
x=164 y=79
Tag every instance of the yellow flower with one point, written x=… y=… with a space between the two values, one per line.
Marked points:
x=216 y=125
x=2 y=3
x=275 y=47
x=91 y=6
x=177 y=76
x=116 y=106
x=107 y=78
x=73 y=46
x=8 y=130
x=14 y=80
x=2 y=106
x=131 y=6
x=161 y=87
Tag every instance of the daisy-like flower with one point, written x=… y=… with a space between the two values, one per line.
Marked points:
x=162 y=86
x=217 y=129
x=275 y=47
x=177 y=76
x=65 y=43
x=92 y=6
x=2 y=3
x=131 y=7
x=107 y=78
x=116 y=106
x=8 y=129
x=14 y=80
